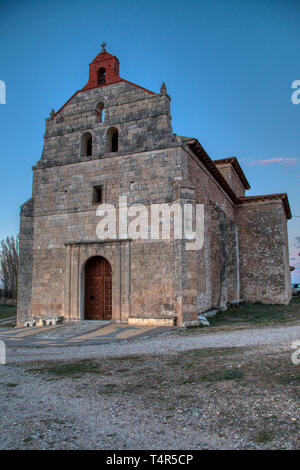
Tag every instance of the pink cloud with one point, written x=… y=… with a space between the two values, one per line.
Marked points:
x=269 y=161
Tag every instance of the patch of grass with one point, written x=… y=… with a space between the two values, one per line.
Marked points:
x=209 y=352
x=11 y=385
x=7 y=311
x=72 y=369
x=132 y=357
x=220 y=375
x=191 y=359
x=292 y=379
x=258 y=314
x=263 y=437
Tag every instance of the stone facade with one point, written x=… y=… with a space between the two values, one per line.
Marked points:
x=245 y=252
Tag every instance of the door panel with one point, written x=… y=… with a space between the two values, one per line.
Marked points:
x=98 y=289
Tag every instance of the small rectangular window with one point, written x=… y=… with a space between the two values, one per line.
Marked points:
x=97 y=194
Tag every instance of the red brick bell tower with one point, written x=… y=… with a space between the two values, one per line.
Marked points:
x=104 y=70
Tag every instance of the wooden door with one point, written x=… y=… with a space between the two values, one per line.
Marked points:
x=98 y=289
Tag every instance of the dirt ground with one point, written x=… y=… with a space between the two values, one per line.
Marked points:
x=200 y=398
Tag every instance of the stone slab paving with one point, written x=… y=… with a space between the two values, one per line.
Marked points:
x=83 y=333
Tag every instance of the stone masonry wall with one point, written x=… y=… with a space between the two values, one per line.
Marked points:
x=25 y=259
x=64 y=214
x=264 y=262
x=142 y=119
x=210 y=274
x=232 y=178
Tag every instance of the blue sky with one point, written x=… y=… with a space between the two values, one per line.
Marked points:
x=228 y=66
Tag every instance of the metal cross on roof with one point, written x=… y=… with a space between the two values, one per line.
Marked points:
x=103 y=47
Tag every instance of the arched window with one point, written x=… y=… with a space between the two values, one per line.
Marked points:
x=87 y=144
x=100 y=112
x=113 y=139
x=101 y=76
x=89 y=147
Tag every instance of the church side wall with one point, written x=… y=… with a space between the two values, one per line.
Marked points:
x=264 y=261
x=210 y=274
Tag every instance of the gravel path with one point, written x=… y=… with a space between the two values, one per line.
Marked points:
x=138 y=400
x=163 y=344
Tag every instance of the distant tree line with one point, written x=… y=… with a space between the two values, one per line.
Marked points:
x=9 y=254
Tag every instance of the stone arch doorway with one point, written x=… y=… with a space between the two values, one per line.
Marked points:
x=98 y=289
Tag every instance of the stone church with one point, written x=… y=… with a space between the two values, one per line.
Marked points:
x=112 y=138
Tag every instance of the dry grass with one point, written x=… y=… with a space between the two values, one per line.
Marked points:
x=252 y=316
x=230 y=390
x=71 y=369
